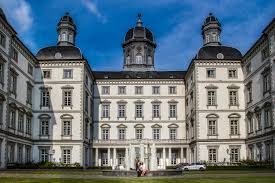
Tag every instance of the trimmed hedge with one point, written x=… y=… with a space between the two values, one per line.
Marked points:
x=43 y=165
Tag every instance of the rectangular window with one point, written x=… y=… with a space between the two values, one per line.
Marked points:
x=20 y=154
x=91 y=107
x=20 y=122
x=44 y=154
x=212 y=155
x=66 y=156
x=67 y=128
x=86 y=101
x=12 y=119
x=86 y=80
x=1 y=72
x=259 y=120
x=121 y=111
x=267 y=118
x=67 y=98
x=44 y=127
x=212 y=127
x=211 y=73
x=211 y=98
x=121 y=90
x=30 y=69
x=266 y=82
x=248 y=68
x=105 y=110
x=172 y=90
x=2 y=39
x=249 y=92
x=250 y=124
x=13 y=85
x=265 y=53
x=234 y=127
x=29 y=93
x=156 y=90
x=105 y=90
x=28 y=125
x=232 y=73
x=121 y=134
x=139 y=111
x=67 y=73
x=14 y=54
x=28 y=154
x=172 y=110
x=1 y=112
x=46 y=74
x=45 y=98
x=234 y=155
x=233 y=98
x=156 y=133
x=156 y=111
x=173 y=134
x=139 y=134
x=104 y=158
x=138 y=90
x=105 y=134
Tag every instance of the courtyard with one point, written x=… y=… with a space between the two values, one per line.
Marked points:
x=56 y=176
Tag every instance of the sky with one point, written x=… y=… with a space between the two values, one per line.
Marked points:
x=102 y=24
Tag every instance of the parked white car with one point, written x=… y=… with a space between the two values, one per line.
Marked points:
x=194 y=166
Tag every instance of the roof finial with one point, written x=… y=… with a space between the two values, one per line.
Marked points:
x=210 y=14
x=139 y=21
x=67 y=13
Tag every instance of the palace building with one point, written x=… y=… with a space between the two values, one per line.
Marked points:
x=54 y=107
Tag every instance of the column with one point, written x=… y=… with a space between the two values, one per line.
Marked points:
x=114 y=158
x=141 y=150
x=181 y=155
x=96 y=157
x=169 y=156
x=126 y=158
x=109 y=156
x=153 y=161
x=164 y=158
x=24 y=153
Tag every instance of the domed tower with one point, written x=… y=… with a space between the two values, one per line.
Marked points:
x=211 y=31
x=139 y=48
x=66 y=30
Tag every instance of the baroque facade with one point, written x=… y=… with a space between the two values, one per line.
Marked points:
x=54 y=107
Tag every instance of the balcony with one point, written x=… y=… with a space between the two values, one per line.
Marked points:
x=101 y=142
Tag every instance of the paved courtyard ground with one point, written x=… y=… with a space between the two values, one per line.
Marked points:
x=57 y=176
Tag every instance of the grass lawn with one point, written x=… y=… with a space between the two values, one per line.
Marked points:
x=137 y=180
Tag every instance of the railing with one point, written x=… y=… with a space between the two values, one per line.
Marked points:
x=143 y=141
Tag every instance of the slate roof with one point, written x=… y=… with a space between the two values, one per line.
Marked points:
x=139 y=75
x=211 y=52
x=67 y=52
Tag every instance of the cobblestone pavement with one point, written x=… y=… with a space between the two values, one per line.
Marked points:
x=186 y=176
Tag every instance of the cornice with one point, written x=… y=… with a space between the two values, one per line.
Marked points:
x=140 y=82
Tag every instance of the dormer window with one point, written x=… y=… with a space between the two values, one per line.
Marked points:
x=139 y=59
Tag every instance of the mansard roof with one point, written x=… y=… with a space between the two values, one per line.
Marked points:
x=218 y=52
x=59 y=53
x=139 y=74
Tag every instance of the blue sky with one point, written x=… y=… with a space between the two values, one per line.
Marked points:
x=175 y=24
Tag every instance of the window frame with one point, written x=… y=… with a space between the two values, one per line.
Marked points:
x=105 y=90
x=120 y=89
x=139 y=110
x=138 y=90
x=155 y=90
x=233 y=76
x=208 y=75
x=67 y=76
x=172 y=90
x=156 y=133
x=3 y=39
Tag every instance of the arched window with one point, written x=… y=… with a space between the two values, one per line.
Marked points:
x=139 y=59
x=63 y=38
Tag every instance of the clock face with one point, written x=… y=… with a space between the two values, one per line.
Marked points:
x=58 y=55
x=220 y=56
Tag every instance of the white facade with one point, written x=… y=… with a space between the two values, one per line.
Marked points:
x=53 y=107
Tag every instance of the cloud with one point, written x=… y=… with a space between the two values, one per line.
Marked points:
x=92 y=7
x=20 y=12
